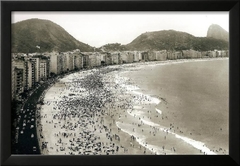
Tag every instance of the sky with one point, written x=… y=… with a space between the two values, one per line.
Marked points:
x=100 y=28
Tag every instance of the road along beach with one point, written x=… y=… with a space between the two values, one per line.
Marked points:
x=140 y=108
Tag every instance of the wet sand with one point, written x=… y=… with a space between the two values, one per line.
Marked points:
x=103 y=112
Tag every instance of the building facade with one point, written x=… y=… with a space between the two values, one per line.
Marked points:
x=37 y=68
x=31 y=74
x=43 y=68
x=78 y=62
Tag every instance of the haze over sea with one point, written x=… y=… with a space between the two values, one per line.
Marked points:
x=169 y=107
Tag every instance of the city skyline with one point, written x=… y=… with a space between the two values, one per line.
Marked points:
x=100 y=28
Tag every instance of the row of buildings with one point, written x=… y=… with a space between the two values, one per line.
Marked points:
x=27 y=72
x=32 y=69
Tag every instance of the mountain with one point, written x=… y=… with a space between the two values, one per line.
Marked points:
x=217 y=32
x=174 y=40
x=36 y=35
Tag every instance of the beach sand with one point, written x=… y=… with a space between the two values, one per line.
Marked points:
x=83 y=134
x=104 y=112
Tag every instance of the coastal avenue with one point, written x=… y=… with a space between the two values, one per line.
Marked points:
x=27 y=142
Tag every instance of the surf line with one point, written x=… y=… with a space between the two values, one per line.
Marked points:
x=197 y=144
x=140 y=139
x=159 y=111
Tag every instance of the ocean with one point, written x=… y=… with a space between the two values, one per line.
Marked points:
x=194 y=102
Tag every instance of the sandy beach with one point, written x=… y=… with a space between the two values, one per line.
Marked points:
x=104 y=111
x=66 y=127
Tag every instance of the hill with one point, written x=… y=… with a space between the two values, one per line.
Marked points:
x=113 y=47
x=174 y=40
x=28 y=34
x=217 y=32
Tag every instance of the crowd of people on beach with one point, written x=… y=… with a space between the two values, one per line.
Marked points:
x=78 y=119
x=83 y=111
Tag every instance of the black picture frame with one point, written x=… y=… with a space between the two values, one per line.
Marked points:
x=173 y=5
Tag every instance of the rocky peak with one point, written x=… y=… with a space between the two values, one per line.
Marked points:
x=217 y=32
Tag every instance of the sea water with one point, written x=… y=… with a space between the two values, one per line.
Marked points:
x=191 y=102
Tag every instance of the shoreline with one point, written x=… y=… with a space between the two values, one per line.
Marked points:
x=129 y=144
x=164 y=107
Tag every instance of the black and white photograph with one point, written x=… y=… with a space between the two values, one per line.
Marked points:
x=119 y=83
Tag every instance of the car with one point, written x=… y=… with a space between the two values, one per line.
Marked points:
x=32 y=135
x=34 y=148
x=24 y=124
x=32 y=119
x=32 y=126
x=21 y=132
